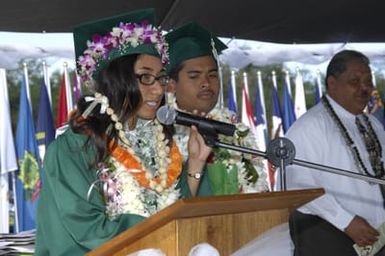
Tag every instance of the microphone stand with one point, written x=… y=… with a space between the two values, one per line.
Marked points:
x=281 y=152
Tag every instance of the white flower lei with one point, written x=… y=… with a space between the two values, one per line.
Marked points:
x=242 y=137
x=225 y=115
x=128 y=196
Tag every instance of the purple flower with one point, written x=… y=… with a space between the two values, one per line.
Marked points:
x=125 y=35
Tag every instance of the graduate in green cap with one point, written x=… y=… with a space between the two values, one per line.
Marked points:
x=195 y=79
x=115 y=165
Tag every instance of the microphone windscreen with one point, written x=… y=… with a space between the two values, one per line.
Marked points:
x=166 y=115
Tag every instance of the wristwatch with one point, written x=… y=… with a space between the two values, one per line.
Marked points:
x=195 y=175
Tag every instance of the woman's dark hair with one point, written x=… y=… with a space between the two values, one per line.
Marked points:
x=338 y=63
x=118 y=82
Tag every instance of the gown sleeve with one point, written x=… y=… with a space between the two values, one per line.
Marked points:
x=204 y=188
x=69 y=222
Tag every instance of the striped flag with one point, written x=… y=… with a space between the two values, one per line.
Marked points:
x=299 y=100
x=8 y=161
x=247 y=112
x=28 y=180
x=62 y=113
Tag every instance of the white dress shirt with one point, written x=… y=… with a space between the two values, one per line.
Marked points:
x=318 y=139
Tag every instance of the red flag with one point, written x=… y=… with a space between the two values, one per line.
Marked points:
x=62 y=114
x=247 y=111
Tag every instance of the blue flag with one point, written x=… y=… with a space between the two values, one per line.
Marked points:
x=288 y=116
x=45 y=130
x=28 y=175
x=231 y=101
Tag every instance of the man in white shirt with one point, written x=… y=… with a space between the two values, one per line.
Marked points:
x=336 y=133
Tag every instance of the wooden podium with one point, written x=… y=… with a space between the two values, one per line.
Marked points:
x=225 y=222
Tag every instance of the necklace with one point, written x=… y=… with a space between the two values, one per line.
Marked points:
x=371 y=141
x=169 y=162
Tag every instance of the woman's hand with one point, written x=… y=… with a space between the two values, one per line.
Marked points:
x=198 y=153
x=197 y=148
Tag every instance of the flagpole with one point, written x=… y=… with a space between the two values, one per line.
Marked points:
x=16 y=214
x=221 y=86
x=246 y=82
x=47 y=82
x=319 y=83
x=27 y=84
x=244 y=117
x=287 y=79
x=8 y=162
x=274 y=79
x=68 y=88
x=374 y=79
x=299 y=100
x=262 y=95
x=233 y=86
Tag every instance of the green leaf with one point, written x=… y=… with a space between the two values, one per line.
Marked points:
x=251 y=172
x=223 y=181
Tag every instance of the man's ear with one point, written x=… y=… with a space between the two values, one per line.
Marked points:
x=171 y=86
x=331 y=82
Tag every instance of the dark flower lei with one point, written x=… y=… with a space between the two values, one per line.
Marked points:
x=371 y=142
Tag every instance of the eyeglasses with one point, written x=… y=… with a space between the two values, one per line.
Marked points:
x=148 y=79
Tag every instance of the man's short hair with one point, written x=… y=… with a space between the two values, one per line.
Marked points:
x=338 y=63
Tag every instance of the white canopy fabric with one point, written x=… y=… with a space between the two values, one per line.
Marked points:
x=56 y=47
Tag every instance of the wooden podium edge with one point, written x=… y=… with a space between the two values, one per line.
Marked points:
x=210 y=205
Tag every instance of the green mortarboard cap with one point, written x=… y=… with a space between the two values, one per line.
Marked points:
x=86 y=32
x=190 y=41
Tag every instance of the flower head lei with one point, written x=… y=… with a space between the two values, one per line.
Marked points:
x=118 y=42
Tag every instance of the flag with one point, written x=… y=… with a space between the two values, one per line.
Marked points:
x=247 y=117
x=247 y=112
x=277 y=129
x=62 y=113
x=318 y=88
x=28 y=178
x=8 y=161
x=299 y=100
x=260 y=121
x=288 y=116
x=45 y=130
x=231 y=97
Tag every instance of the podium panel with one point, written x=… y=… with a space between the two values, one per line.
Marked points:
x=225 y=222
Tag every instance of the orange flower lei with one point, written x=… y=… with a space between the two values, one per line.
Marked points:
x=157 y=183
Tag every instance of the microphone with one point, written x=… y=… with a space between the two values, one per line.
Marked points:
x=168 y=115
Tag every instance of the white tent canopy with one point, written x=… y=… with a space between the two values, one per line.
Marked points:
x=58 y=46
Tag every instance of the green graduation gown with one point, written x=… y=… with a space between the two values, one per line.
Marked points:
x=67 y=222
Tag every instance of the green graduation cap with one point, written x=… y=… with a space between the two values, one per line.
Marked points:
x=191 y=41
x=101 y=41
